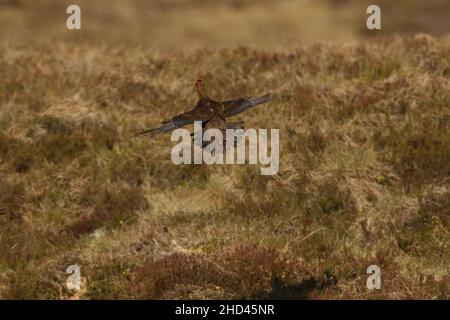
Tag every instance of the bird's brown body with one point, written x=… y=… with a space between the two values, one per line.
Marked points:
x=212 y=113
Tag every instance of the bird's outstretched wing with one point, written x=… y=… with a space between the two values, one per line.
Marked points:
x=178 y=121
x=234 y=107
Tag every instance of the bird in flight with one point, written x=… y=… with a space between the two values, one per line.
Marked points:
x=213 y=114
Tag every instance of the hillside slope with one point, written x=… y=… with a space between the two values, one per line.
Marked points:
x=364 y=173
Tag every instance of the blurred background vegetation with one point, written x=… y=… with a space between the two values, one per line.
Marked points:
x=184 y=24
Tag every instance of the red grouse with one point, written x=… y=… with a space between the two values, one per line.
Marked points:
x=212 y=113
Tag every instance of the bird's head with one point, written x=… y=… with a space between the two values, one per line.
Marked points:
x=200 y=88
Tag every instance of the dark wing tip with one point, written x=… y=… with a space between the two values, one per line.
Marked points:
x=260 y=100
x=166 y=127
x=148 y=133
